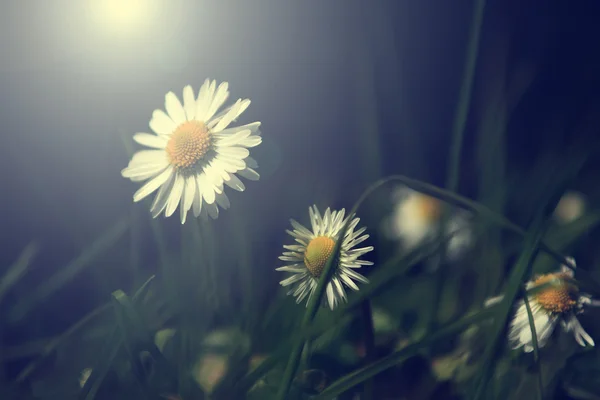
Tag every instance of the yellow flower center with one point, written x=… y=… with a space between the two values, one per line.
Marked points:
x=428 y=208
x=317 y=253
x=560 y=296
x=188 y=144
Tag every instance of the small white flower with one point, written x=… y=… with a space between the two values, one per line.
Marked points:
x=560 y=302
x=314 y=248
x=570 y=207
x=194 y=154
x=417 y=218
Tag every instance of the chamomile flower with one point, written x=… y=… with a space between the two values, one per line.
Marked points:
x=314 y=247
x=417 y=218
x=560 y=301
x=194 y=153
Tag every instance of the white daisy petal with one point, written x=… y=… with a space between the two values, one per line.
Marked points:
x=339 y=288
x=231 y=164
x=236 y=110
x=581 y=336
x=175 y=195
x=161 y=123
x=148 y=157
x=249 y=174
x=235 y=183
x=288 y=258
x=146 y=139
x=209 y=195
x=291 y=269
x=213 y=210
x=330 y=296
x=234 y=152
x=251 y=162
x=356 y=276
x=294 y=247
x=301 y=229
x=251 y=141
x=232 y=140
x=543 y=332
x=152 y=185
x=205 y=98
x=348 y=282
x=189 y=102
x=160 y=201
x=174 y=108
x=223 y=201
x=568 y=270
x=188 y=195
x=197 y=203
x=253 y=127
x=493 y=301
x=144 y=171
x=221 y=96
x=182 y=211
x=204 y=212
x=292 y=279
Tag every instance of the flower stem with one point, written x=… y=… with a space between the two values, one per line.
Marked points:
x=369 y=342
x=534 y=340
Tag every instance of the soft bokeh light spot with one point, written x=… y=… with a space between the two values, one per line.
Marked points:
x=123 y=17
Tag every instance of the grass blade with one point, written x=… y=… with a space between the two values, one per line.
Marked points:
x=536 y=355
x=532 y=240
x=354 y=378
x=464 y=99
x=56 y=342
x=458 y=131
x=111 y=350
x=18 y=269
x=66 y=274
x=138 y=338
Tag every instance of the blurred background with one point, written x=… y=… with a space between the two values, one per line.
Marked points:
x=347 y=92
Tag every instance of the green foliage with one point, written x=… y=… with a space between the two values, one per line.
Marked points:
x=409 y=333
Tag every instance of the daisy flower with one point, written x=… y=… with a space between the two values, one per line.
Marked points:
x=417 y=218
x=560 y=301
x=314 y=247
x=194 y=153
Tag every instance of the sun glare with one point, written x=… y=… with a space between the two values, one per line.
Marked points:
x=122 y=17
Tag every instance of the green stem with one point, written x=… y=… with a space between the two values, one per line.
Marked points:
x=464 y=97
x=369 y=342
x=458 y=131
x=305 y=358
x=532 y=241
x=536 y=355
